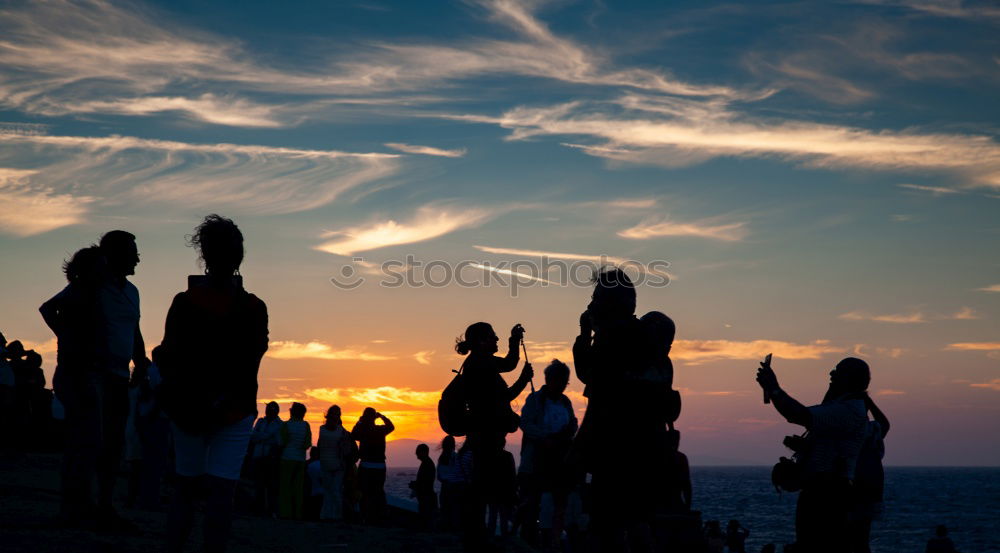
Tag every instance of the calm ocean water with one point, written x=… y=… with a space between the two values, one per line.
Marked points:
x=967 y=500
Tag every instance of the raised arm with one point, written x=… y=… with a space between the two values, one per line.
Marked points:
x=389 y=427
x=793 y=411
x=878 y=415
x=52 y=315
x=515 y=390
x=509 y=362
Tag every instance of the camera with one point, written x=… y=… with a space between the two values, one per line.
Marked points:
x=798 y=444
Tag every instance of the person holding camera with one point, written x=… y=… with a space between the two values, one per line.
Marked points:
x=490 y=417
x=611 y=355
x=829 y=455
x=371 y=469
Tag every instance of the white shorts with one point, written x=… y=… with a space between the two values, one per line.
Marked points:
x=219 y=453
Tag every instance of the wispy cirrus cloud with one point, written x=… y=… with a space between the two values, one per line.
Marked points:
x=75 y=175
x=990 y=288
x=990 y=385
x=914 y=317
x=704 y=351
x=673 y=132
x=52 y=54
x=423 y=357
x=932 y=190
x=974 y=346
x=890 y=392
x=895 y=318
x=286 y=349
x=425 y=150
x=657 y=228
x=429 y=222
x=32 y=208
x=556 y=255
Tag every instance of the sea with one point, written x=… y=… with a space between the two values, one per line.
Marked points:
x=917 y=499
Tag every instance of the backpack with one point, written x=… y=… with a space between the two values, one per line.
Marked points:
x=453 y=411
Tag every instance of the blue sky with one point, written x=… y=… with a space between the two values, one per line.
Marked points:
x=824 y=179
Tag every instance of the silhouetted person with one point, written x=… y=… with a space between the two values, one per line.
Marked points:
x=611 y=356
x=213 y=341
x=869 y=480
x=336 y=456
x=313 y=486
x=423 y=487
x=296 y=439
x=940 y=543
x=836 y=435
x=265 y=443
x=371 y=470
x=73 y=315
x=548 y=424
x=658 y=377
x=121 y=342
x=452 y=484
x=490 y=418
x=736 y=537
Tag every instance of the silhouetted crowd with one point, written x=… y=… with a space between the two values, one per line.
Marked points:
x=614 y=481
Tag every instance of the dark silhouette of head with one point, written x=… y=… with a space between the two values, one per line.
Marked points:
x=423 y=452
x=220 y=245
x=661 y=329
x=448 y=444
x=121 y=253
x=556 y=377
x=333 y=415
x=368 y=415
x=272 y=409
x=32 y=359
x=297 y=411
x=479 y=338
x=851 y=375
x=86 y=268
x=15 y=350
x=941 y=531
x=613 y=298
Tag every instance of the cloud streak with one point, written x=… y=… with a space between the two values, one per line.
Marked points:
x=428 y=222
x=703 y=351
x=75 y=175
x=33 y=209
x=728 y=232
x=675 y=132
x=425 y=150
x=895 y=318
x=285 y=350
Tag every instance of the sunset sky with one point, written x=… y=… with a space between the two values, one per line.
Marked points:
x=822 y=178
